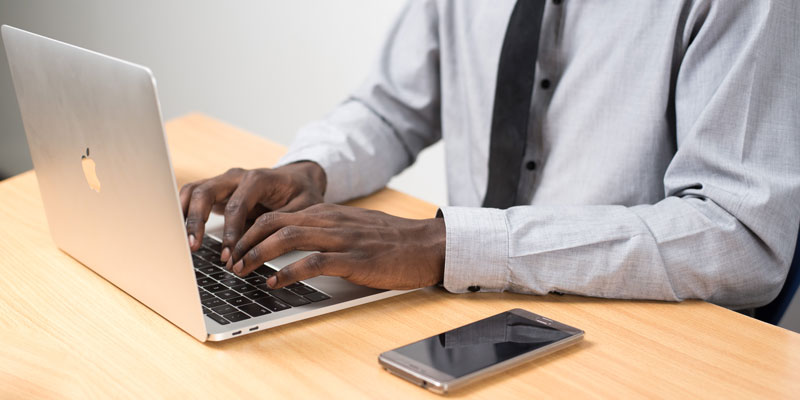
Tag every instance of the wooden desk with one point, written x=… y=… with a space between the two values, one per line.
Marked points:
x=67 y=333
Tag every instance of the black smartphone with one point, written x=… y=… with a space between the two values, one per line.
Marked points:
x=457 y=357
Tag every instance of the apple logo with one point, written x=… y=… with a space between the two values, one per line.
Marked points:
x=89 y=171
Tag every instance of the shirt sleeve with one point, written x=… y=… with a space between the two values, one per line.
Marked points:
x=726 y=230
x=382 y=127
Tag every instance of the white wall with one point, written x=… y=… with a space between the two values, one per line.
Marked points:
x=267 y=66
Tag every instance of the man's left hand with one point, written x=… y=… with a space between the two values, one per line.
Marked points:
x=365 y=247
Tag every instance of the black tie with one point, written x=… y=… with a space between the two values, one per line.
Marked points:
x=512 y=101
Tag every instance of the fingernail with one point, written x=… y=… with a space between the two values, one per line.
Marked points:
x=192 y=241
x=272 y=281
x=238 y=267
x=226 y=253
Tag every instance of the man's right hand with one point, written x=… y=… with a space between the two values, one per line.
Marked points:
x=241 y=194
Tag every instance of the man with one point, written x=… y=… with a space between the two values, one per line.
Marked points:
x=638 y=150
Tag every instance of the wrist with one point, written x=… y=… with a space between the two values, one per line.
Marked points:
x=313 y=171
x=437 y=237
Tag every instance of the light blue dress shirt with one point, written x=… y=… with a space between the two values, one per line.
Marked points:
x=663 y=159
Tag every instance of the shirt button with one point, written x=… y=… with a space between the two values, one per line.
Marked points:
x=530 y=165
x=474 y=288
x=545 y=84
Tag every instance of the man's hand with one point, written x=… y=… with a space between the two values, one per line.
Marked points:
x=244 y=194
x=365 y=247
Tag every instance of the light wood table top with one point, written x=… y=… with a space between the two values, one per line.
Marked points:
x=67 y=333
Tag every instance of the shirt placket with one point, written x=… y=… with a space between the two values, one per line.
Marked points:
x=546 y=81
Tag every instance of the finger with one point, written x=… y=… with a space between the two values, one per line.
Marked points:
x=331 y=264
x=186 y=194
x=298 y=203
x=263 y=227
x=201 y=199
x=269 y=223
x=287 y=239
x=243 y=199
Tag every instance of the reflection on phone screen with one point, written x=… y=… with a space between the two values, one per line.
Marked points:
x=481 y=344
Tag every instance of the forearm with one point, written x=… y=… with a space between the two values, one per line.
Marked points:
x=357 y=150
x=680 y=248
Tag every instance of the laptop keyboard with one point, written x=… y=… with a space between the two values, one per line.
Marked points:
x=227 y=298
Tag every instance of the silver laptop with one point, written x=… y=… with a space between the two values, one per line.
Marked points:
x=94 y=129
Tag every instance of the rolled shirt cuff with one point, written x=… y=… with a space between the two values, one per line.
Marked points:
x=476 y=253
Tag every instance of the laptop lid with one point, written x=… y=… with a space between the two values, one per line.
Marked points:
x=95 y=133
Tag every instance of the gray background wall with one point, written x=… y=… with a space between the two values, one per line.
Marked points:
x=266 y=66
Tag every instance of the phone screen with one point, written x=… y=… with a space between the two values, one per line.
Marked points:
x=481 y=344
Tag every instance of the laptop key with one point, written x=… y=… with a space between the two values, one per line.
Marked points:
x=289 y=297
x=200 y=263
x=243 y=288
x=205 y=295
x=213 y=302
x=206 y=311
x=206 y=254
x=239 y=301
x=218 y=262
x=198 y=275
x=214 y=248
x=255 y=310
x=221 y=275
x=212 y=283
x=231 y=282
x=236 y=316
x=317 y=296
x=303 y=290
x=209 y=269
x=227 y=294
x=218 y=319
x=224 y=309
x=205 y=281
x=256 y=280
x=212 y=243
x=215 y=288
x=255 y=294
x=272 y=303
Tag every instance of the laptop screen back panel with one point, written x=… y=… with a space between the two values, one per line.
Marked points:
x=126 y=225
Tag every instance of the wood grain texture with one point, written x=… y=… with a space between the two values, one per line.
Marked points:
x=67 y=333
